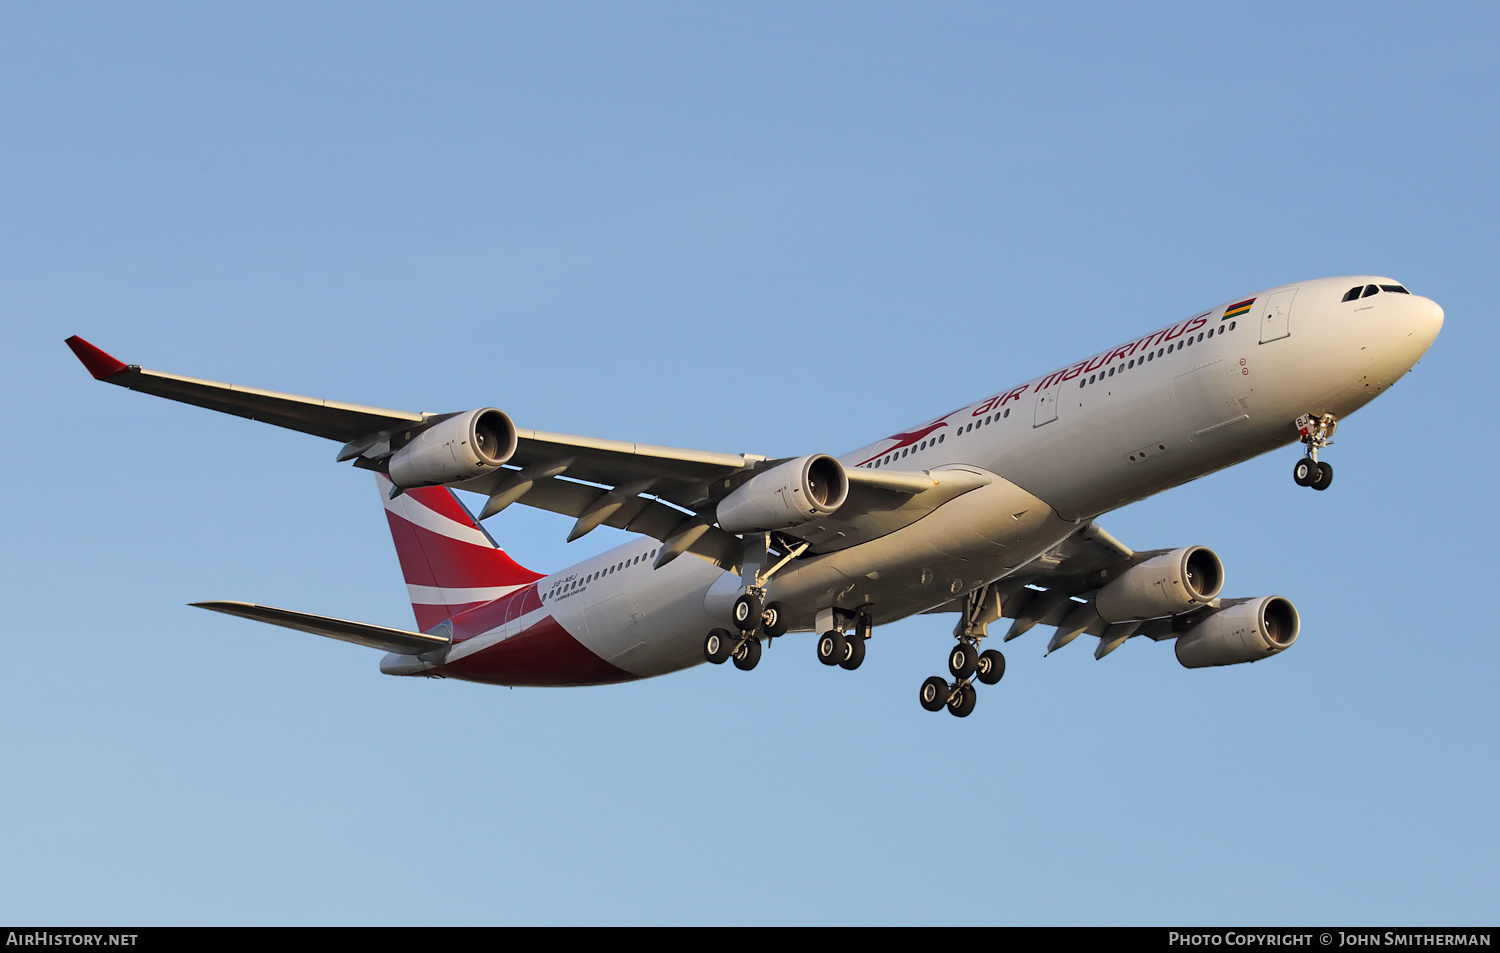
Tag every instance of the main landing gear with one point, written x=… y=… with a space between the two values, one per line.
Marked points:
x=756 y=623
x=846 y=650
x=1316 y=431
x=754 y=618
x=966 y=662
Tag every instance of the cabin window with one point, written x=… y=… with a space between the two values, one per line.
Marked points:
x=1007 y=412
x=1111 y=372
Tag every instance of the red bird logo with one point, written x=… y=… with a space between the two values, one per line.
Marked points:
x=909 y=438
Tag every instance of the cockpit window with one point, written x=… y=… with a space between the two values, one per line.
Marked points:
x=1353 y=293
x=1370 y=290
x=1396 y=289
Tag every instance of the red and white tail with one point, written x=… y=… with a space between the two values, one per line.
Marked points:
x=449 y=561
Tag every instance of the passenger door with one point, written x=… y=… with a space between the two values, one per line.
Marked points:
x=1046 y=405
x=1275 y=322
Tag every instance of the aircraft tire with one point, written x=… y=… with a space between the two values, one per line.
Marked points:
x=747 y=610
x=963 y=702
x=1305 y=472
x=934 y=694
x=832 y=647
x=772 y=621
x=1324 y=477
x=963 y=660
x=718 y=646
x=747 y=655
x=854 y=653
x=991 y=666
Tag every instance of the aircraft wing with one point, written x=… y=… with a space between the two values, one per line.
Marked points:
x=667 y=493
x=1057 y=589
x=321 y=418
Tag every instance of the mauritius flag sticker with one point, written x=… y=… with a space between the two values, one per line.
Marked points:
x=1237 y=309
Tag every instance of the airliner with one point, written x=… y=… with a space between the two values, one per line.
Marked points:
x=987 y=512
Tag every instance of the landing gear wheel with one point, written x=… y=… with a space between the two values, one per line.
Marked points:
x=747 y=610
x=854 y=652
x=991 y=667
x=832 y=647
x=962 y=701
x=1305 y=472
x=963 y=660
x=934 y=693
x=771 y=621
x=747 y=655
x=718 y=646
x=1324 y=477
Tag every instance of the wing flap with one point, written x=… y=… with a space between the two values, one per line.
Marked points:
x=373 y=636
x=638 y=514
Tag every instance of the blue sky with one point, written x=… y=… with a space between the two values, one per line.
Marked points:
x=770 y=228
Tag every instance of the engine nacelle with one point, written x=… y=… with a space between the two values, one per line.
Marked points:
x=1248 y=632
x=1169 y=584
x=459 y=448
x=785 y=496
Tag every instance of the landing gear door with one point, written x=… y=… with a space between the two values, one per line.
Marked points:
x=1275 y=322
x=1046 y=404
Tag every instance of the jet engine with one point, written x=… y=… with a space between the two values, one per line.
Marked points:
x=786 y=495
x=1247 y=632
x=1169 y=584
x=459 y=448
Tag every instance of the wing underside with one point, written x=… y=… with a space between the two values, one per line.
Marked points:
x=1058 y=587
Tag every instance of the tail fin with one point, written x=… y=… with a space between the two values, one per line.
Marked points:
x=449 y=561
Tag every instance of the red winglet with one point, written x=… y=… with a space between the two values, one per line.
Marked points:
x=101 y=365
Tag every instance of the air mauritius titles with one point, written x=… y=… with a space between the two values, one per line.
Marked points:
x=1104 y=358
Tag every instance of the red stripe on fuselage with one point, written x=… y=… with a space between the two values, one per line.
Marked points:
x=543 y=655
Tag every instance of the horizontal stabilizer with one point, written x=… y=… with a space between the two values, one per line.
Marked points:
x=374 y=636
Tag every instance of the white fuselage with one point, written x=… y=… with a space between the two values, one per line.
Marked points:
x=1196 y=396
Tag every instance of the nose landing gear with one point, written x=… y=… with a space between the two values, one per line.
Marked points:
x=1316 y=431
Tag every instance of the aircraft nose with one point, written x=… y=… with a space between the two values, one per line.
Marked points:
x=1429 y=319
